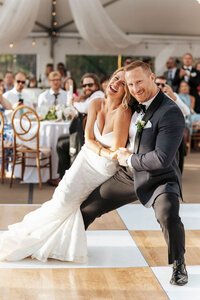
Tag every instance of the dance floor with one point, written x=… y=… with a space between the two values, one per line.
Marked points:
x=127 y=254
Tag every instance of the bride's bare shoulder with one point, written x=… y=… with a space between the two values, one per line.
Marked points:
x=97 y=103
x=124 y=112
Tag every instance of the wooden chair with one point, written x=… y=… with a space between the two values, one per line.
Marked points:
x=5 y=156
x=26 y=130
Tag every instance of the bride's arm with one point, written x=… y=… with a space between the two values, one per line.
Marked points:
x=120 y=130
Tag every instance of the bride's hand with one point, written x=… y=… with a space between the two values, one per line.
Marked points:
x=113 y=155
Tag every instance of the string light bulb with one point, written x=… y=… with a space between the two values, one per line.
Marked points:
x=54 y=23
x=33 y=43
x=54 y=2
x=11 y=45
x=54 y=13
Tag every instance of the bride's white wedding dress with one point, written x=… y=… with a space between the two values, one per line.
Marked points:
x=56 y=229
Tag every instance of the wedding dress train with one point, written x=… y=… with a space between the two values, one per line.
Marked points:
x=56 y=229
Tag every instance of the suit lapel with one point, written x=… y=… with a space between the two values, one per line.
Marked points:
x=150 y=111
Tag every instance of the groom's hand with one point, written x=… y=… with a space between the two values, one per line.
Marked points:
x=122 y=155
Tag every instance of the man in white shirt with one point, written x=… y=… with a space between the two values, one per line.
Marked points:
x=17 y=94
x=161 y=82
x=91 y=90
x=53 y=96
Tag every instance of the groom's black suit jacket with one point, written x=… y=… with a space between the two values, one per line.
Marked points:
x=155 y=162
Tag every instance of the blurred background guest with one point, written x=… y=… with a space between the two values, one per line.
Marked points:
x=45 y=80
x=63 y=72
x=17 y=95
x=188 y=74
x=170 y=73
x=127 y=60
x=68 y=83
x=104 y=82
x=8 y=81
x=53 y=96
x=32 y=83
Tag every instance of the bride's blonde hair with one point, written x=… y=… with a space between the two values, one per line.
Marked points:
x=127 y=96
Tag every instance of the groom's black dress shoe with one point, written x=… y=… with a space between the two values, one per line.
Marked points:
x=179 y=275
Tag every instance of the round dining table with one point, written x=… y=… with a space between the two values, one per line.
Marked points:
x=48 y=136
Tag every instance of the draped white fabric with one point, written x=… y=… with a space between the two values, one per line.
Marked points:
x=96 y=27
x=17 y=18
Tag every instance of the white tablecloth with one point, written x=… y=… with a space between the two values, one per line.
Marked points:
x=49 y=133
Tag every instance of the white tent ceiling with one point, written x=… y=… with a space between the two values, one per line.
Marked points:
x=162 y=28
x=140 y=17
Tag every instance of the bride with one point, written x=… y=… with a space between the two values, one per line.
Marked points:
x=56 y=229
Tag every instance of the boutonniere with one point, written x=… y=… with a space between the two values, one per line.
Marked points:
x=193 y=74
x=140 y=125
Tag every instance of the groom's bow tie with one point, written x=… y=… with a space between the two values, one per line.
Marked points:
x=140 y=107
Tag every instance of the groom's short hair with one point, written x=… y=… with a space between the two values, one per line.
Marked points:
x=136 y=64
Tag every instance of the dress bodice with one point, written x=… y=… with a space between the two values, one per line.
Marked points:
x=105 y=139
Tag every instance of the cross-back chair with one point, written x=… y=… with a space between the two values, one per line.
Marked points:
x=26 y=126
x=6 y=155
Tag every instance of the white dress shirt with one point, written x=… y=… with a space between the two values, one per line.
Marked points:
x=47 y=99
x=133 y=128
x=13 y=97
x=82 y=107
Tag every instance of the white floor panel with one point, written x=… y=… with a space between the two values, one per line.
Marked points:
x=106 y=249
x=190 y=214
x=138 y=217
x=190 y=291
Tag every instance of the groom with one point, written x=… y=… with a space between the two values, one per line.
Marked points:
x=149 y=165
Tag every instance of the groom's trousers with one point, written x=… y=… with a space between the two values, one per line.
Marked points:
x=119 y=190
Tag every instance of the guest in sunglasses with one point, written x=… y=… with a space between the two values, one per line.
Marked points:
x=91 y=90
x=17 y=95
x=161 y=82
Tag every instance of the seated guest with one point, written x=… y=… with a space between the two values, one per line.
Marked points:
x=45 y=80
x=70 y=81
x=91 y=90
x=189 y=100
x=32 y=83
x=8 y=132
x=127 y=60
x=53 y=96
x=8 y=81
x=161 y=82
x=63 y=72
x=17 y=94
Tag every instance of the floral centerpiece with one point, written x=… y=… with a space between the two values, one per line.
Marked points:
x=58 y=112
